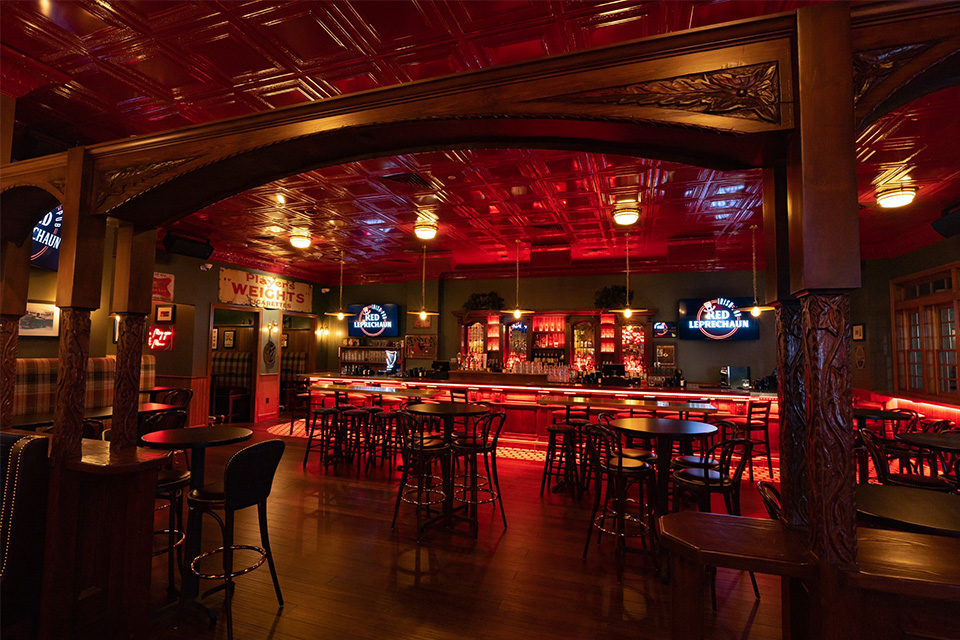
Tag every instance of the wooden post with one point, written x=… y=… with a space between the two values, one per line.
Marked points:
x=790 y=367
x=78 y=292
x=132 y=291
x=14 y=281
x=825 y=265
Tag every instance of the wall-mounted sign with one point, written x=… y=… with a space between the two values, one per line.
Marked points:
x=163 y=286
x=46 y=240
x=664 y=329
x=266 y=292
x=160 y=339
x=374 y=320
x=717 y=319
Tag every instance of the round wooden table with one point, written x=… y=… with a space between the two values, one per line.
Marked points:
x=665 y=430
x=948 y=442
x=917 y=510
x=198 y=440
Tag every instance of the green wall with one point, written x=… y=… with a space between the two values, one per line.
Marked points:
x=870 y=306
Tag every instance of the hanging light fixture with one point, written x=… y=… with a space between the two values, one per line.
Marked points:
x=340 y=313
x=757 y=309
x=300 y=239
x=426 y=227
x=423 y=313
x=896 y=196
x=626 y=311
x=516 y=312
x=626 y=213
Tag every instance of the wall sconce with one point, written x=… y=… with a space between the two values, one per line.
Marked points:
x=323 y=332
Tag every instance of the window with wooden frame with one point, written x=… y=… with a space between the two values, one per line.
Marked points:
x=925 y=307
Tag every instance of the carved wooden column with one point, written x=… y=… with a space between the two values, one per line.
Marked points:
x=132 y=289
x=794 y=483
x=14 y=281
x=824 y=266
x=78 y=292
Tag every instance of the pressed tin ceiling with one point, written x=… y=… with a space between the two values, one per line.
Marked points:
x=86 y=72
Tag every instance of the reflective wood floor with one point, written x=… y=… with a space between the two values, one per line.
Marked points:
x=346 y=574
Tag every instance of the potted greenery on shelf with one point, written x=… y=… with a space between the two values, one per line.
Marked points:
x=478 y=301
x=612 y=297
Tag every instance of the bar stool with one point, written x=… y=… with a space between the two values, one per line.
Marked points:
x=561 y=456
x=756 y=428
x=480 y=441
x=419 y=484
x=328 y=435
x=247 y=481
x=621 y=473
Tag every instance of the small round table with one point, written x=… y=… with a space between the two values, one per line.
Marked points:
x=666 y=430
x=197 y=439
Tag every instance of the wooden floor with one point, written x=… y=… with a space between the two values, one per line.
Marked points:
x=346 y=574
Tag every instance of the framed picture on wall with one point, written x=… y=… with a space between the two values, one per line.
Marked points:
x=422 y=346
x=165 y=313
x=42 y=319
x=228 y=337
x=284 y=340
x=666 y=355
x=858 y=332
x=213 y=338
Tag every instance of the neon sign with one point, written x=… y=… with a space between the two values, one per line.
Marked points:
x=374 y=320
x=46 y=240
x=160 y=339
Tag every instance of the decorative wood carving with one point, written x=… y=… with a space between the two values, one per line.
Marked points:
x=71 y=383
x=830 y=462
x=751 y=92
x=9 y=334
x=871 y=67
x=126 y=393
x=115 y=182
x=794 y=480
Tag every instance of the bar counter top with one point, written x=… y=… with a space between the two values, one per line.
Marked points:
x=539 y=382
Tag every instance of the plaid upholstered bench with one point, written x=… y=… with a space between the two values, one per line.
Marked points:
x=36 y=388
x=231 y=378
x=292 y=366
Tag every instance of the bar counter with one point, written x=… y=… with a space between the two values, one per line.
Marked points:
x=517 y=394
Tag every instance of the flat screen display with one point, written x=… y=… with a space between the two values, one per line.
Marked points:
x=46 y=241
x=664 y=329
x=373 y=321
x=721 y=319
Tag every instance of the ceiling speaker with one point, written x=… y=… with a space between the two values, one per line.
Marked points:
x=185 y=246
x=948 y=224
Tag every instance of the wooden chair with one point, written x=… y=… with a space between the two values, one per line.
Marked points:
x=881 y=463
x=419 y=485
x=755 y=426
x=703 y=481
x=771 y=498
x=480 y=441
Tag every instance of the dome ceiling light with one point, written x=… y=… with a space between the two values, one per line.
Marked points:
x=626 y=213
x=425 y=227
x=897 y=196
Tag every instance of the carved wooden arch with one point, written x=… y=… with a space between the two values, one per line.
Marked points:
x=720 y=97
x=904 y=55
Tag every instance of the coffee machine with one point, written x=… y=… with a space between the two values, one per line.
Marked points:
x=734 y=377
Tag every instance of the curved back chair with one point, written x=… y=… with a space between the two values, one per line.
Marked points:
x=874 y=445
x=419 y=486
x=480 y=440
x=755 y=426
x=771 y=498
x=179 y=398
x=247 y=482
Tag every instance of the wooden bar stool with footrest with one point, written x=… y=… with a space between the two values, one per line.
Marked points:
x=247 y=481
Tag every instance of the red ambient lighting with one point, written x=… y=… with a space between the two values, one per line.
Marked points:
x=160 y=339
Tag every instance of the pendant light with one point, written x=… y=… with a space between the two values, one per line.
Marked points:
x=516 y=312
x=757 y=309
x=340 y=313
x=626 y=311
x=423 y=313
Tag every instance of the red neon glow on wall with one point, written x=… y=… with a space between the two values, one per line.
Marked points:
x=160 y=339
